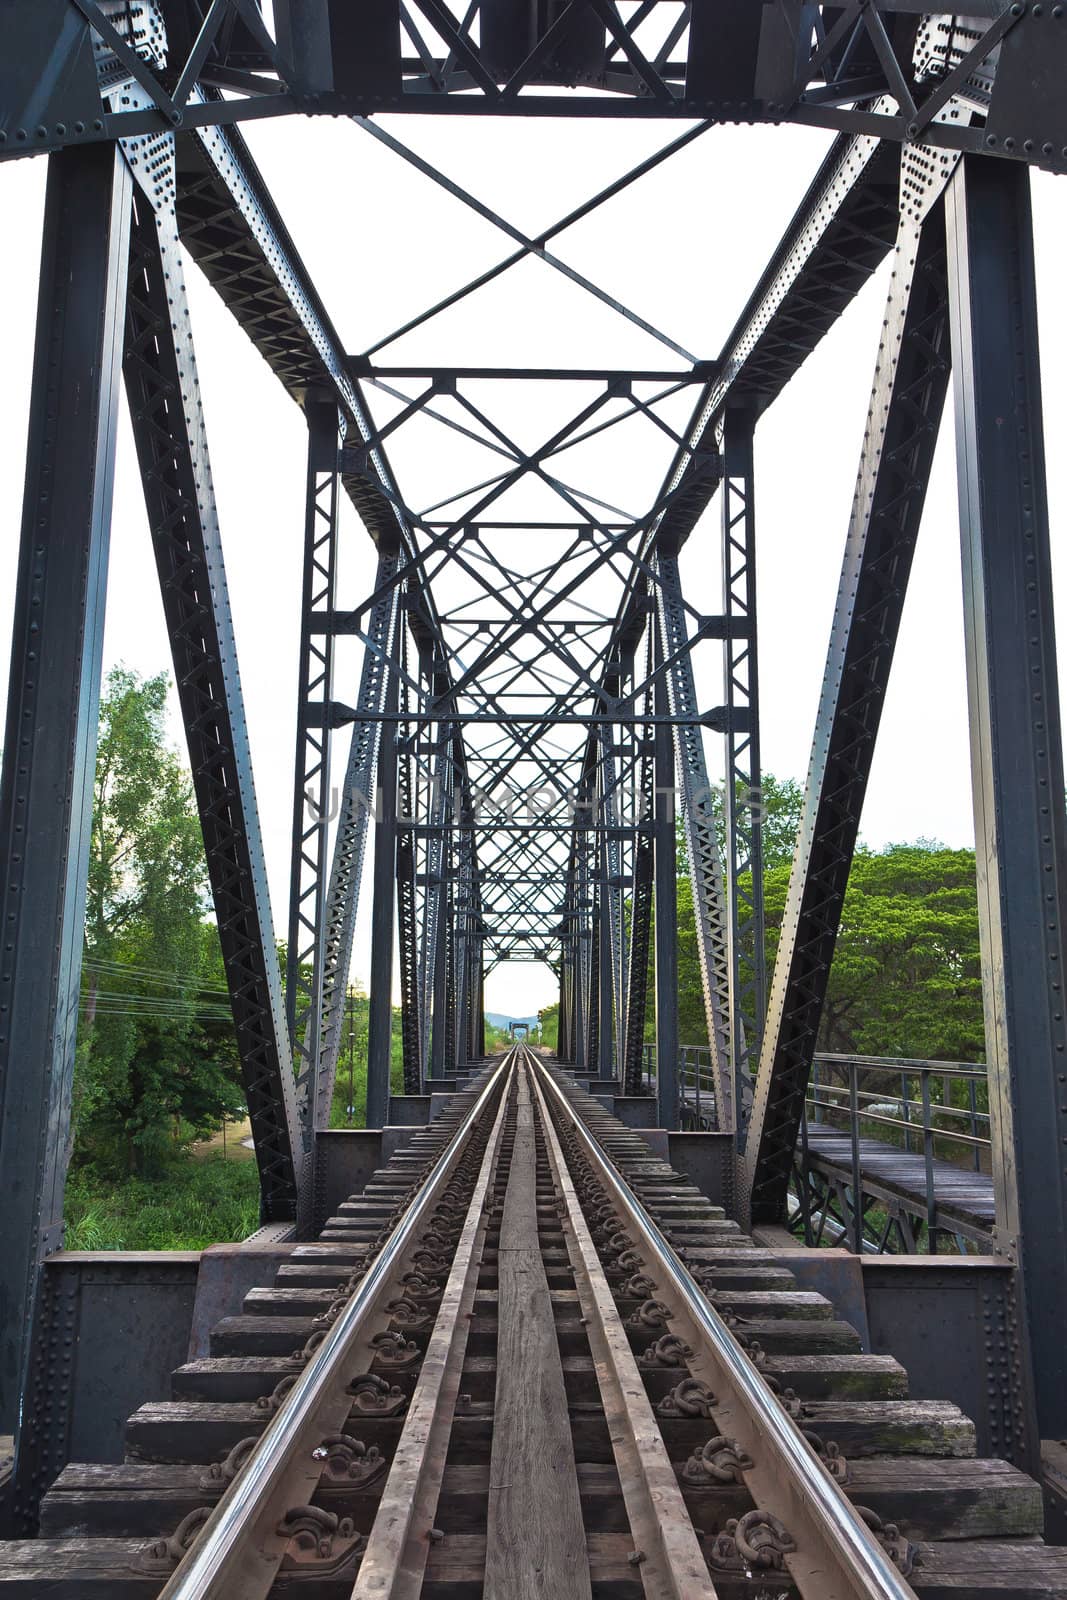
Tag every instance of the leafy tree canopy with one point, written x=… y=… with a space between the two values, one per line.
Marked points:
x=906 y=975
x=157 y=1060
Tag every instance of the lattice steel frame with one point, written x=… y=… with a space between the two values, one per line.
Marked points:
x=908 y=94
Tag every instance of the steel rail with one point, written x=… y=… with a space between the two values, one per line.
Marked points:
x=673 y=1567
x=229 y=1533
x=393 y=1562
x=848 y=1561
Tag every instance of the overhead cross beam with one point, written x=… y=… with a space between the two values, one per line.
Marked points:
x=884 y=68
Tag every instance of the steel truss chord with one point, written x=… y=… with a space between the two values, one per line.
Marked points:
x=911 y=379
x=701 y=825
x=167 y=417
x=46 y=794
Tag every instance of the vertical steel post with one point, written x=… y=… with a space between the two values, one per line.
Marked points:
x=666 y=903
x=46 y=794
x=700 y=819
x=439 y=1025
x=578 y=964
x=461 y=913
x=383 y=912
x=1016 y=749
x=435 y=907
x=743 y=804
x=356 y=804
x=604 y=1066
x=406 y=899
x=309 y=868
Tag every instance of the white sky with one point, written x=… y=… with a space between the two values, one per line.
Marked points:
x=683 y=248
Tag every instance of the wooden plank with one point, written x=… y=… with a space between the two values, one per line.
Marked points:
x=394 y=1561
x=672 y=1565
x=536 y=1542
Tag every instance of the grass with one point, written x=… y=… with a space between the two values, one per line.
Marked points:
x=195 y=1204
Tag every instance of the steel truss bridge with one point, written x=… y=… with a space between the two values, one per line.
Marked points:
x=527 y=632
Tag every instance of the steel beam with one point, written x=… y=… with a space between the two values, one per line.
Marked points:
x=1016 y=745
x=742 y=802
x=406 y=903
x=604 y=1063
x=640 y=938
x=311 y=783
x=666 y=909
x=701 y=823
x=356 y=804
x=911 y=378
x=46 y=793
x=380 y=1010
x=167 y=418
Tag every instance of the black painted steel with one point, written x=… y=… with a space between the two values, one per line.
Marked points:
x=665 y=900
x=167 y=418
x=311 y=784
x=46 y=793
x=526 y=683
x=886 y=68
x=910 y=382
x=742 y=799
x=1016 y=742
x=383 y=915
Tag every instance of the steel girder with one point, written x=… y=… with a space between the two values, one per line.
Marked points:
x=167 y=418
x=46 y=795
x=434 y=910
x=885 y=68
x=641 y=906
x=229 y=223
x=613 y=902
x=407 y=920
x=910 y=383
x=356 y=802
x=665 y=896
x=1016 y=748
x=742 y=800
x=383 y=912
x=311 y=786
x=700 y=820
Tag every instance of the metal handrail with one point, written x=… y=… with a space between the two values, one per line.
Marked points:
x=230 y=1523
x=817 y=1091
x=855 y=1107
x=867 y=1564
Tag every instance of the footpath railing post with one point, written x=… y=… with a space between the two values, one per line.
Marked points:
x=928 y=1154
x=857 y=1175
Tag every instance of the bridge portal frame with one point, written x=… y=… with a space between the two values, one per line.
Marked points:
x=967 y=131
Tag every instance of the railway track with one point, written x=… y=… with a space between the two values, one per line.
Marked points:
x=531 y=1359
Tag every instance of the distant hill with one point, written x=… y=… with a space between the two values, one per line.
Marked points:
x=498 y=1020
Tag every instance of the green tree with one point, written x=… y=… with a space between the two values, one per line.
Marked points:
x=781 y=808
x=906 y=978
x=156 y=1055
x=781 y=804
x=906 y=975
